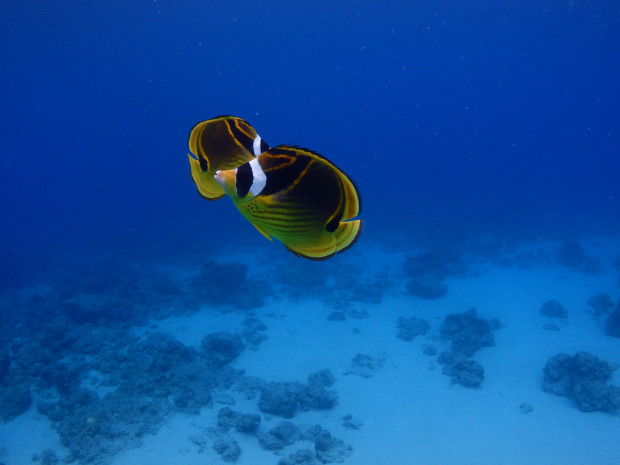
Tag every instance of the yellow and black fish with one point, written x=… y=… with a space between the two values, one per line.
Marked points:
x=221 y=143
x=298 y=197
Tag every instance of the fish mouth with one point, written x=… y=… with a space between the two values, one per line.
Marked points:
x=220 y=178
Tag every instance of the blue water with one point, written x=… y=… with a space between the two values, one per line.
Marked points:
x=449 y=116
x=454 y=118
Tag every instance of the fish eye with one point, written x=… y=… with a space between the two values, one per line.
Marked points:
x=204 y=163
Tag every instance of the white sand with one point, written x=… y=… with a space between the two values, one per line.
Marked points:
x=410 y=412
x=26 y=435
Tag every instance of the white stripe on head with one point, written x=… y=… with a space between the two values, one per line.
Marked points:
x=259 y=181
x=256 y=146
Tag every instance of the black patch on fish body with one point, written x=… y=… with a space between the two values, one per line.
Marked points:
x=282 y=167
x=322 y=185
x=244 y=180
x=215 y=143
x=333 y=224
x=304 y=181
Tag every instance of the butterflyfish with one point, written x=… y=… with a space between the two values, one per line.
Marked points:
x=221 y=143
x=298 y=197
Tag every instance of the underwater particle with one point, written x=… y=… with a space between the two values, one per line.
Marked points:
x=525 y=408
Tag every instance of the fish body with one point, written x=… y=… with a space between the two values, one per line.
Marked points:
x=221 y=143
x=298 y=197
x=288 y=193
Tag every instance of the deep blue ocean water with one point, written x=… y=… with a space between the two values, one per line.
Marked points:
x=450 y=116
x=456 y=120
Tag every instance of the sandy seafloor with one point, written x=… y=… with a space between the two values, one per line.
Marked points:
x=410 y=413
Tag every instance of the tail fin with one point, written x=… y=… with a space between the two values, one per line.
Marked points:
x=328 y=244
x=346 y=234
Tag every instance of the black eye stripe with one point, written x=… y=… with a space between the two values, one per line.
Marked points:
x=244 y=181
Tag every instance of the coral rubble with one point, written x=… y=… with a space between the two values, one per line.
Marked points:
x=468 y=333
x=612 y=325
x=408 y=328
x=582 y=377
x=553 y=309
